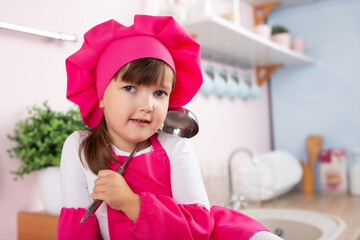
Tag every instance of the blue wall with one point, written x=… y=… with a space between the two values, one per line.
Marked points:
x=323 y=98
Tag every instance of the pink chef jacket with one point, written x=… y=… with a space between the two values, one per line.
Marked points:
x=160 y=217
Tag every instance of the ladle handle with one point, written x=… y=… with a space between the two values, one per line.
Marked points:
x=91 y=209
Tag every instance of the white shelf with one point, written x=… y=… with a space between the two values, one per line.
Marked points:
x=219 y=36
x=283 y=3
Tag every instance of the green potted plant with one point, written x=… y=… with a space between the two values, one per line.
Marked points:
x=281 y=35
x=39 y=139
x=279 y=29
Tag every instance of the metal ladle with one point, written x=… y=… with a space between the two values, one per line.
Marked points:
x=179 y=121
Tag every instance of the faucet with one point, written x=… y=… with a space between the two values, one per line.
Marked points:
x=236 y=202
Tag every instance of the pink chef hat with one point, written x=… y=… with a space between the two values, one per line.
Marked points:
x=109 y=46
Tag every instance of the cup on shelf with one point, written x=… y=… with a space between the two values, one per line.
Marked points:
x=200 y=8
x=228 y=9
x=263 y=30
x=175 y=9
x=298 y=45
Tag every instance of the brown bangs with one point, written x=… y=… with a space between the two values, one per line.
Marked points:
x=144 y=71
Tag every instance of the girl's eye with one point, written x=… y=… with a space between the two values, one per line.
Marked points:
x=129 y=89
x=160 y=94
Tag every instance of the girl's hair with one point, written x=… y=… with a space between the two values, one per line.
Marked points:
x=96 y=146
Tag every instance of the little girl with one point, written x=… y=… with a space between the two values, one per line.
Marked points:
x=124 y=80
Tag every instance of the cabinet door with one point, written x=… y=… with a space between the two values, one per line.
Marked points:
x=39 y=226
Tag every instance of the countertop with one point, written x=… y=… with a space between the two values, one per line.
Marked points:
x=347 y=207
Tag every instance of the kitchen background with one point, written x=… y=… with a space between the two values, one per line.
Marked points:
x=319 y=98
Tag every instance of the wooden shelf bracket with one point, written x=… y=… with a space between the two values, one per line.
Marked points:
x=265 y=9
x=269 y=69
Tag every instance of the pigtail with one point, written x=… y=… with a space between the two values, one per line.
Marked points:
x=96 y=148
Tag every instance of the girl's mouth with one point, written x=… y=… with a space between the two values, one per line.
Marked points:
x=140 y=121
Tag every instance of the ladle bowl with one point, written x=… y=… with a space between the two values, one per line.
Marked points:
x=182 y=122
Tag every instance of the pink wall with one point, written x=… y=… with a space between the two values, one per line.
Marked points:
x=32 y=70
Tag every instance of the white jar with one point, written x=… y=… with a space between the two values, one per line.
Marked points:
x=354 y=172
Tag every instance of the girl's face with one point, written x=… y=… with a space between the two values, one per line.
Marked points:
x=133 y=113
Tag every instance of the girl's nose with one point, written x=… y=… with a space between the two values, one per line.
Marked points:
x=145 y=104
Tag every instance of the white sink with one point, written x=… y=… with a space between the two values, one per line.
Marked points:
x=293 y=224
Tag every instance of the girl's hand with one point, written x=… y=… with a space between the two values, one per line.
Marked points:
x=112 y=188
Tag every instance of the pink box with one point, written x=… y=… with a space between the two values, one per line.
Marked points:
x=333 y=171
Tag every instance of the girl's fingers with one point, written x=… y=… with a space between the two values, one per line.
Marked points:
x=108 y=182
x=98 y=196
x=101 y=180
x=105 y=176
x=100 y=188
x=105 y=172
x=112 y=188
